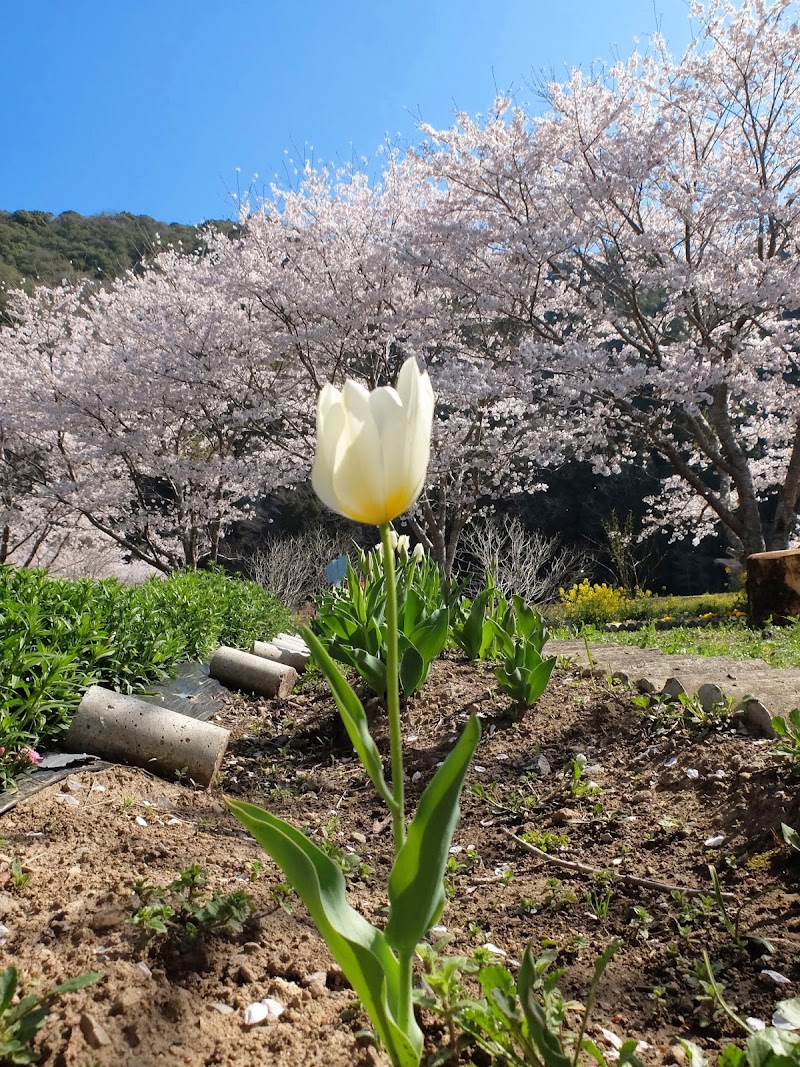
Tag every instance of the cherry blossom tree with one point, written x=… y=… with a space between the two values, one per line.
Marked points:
x=639 y=241
x=154 y=405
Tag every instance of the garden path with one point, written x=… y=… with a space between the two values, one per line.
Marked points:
x=648 y=669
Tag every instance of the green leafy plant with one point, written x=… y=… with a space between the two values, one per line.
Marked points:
x=520 y=635
x=791 y=837
x=788 y=731
x=579 y=785
x=57 y=637
x=351 y=621
x=599 y=898
x=771 y=1046
x=185 y=912
x=20 y=1021
x=478 y=624
x=518 y=1024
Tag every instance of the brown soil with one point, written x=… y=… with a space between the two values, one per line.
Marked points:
x=87 y=841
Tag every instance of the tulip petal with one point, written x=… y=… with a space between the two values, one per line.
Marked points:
x=358 y=471
x=330 y=425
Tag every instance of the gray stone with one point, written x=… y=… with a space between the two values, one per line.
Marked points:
x=95 y=1034
x=709 y=694
x=673 y=688
x=777 y=688
x=758 y=719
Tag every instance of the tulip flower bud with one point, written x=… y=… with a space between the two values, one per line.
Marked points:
x=419 y=552
x=373 y=447
x=393 y=539
x=403 y=546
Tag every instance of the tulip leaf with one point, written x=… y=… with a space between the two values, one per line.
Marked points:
x=370 y=667
x=353 y=716
x=413 y=667
x=416 y=883
x=361 y=950
x=430 y=636
x=472 y=630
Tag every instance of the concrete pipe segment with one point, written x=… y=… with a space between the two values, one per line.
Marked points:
x=292 y=657
x=126 y=730
x=252 y=674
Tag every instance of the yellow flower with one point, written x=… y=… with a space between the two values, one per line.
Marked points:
x=373 y=447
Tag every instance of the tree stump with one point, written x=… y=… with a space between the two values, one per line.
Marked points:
x=773 y=586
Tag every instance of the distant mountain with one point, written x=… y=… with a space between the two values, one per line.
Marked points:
x=37 y=248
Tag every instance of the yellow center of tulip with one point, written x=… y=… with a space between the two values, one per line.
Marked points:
x=375 y=512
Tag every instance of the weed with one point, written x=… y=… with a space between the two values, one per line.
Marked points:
x=514 y=1023
x=579 y=786
x=254 y=869
x=19 y=876
x=546 y=840
x=599 y=898
x=283 y=896
x=185 y=912
x=640 y=922
x=788 y=731
x=556 y=898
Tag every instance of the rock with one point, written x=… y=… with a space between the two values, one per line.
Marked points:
x=677 y=1055
x=95 y=1034
x=644 y=685
x=673 y=689
x=758 y=719
x=250 y=948
x=565 y=815
x=709 y=694
x=246 y=974
x=105 y=919
x=9 y=908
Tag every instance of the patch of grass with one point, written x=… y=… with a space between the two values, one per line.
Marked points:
x=734 y=638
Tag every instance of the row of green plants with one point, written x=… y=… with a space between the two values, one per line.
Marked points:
x=59 y=636
x=351 y=623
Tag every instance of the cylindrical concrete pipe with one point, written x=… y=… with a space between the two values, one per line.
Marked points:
x=252 y=674
x=290 y=656
x=127 y=730
x=290 y=641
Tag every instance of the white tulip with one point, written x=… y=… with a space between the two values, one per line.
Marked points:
x=403 y=546
x=419 y=552
x=373 y=447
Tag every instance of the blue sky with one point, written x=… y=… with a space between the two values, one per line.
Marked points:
x=149 y=106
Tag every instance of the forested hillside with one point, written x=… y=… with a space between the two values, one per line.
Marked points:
x=37 y=248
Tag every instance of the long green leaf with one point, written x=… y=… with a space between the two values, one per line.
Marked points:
x=416 y=884
x=430 y=636
x=370 y=667
x=413 y=668
x=361 y=950
x=353 y=716
x=547 y=1043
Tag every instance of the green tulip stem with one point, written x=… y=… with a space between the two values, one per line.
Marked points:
x=393 y=689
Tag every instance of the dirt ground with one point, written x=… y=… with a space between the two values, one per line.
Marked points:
x=654 y=800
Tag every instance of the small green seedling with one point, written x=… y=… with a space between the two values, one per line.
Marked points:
x=20 y=1022
x=184 y=911
x=788 y=731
